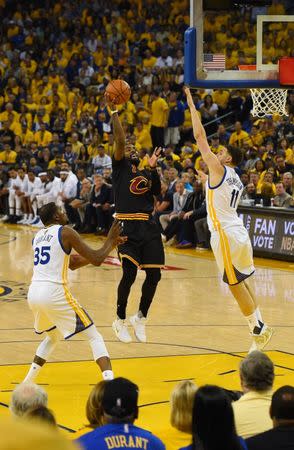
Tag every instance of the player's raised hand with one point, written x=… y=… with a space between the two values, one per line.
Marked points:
x=154 y=158
x=109 y=102
x=114 y=234
x=202 y=176
x=189 y=97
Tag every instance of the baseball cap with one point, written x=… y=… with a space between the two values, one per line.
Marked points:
x=120 y=398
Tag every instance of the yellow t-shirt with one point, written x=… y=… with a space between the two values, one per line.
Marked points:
x=43 y=138
x=159 y=110
x=221 y=98
x=149 y=62
x=8 y=158
x=239 y=138
x=143 y=138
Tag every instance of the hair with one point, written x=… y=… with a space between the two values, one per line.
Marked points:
x=257 y=371
x=236 y=154
x=182 y=399
x=41 y=414
x=27 y=396
x=16 y=435
x=213 y=425
x=47 y=212
x=282 y=406
x=94 y=410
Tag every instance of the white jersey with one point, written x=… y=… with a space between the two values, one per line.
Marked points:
x=50 y=260
x=34 y=187
x=14 y=183
x=222 y=201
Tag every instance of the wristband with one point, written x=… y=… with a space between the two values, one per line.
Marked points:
x=113 y=112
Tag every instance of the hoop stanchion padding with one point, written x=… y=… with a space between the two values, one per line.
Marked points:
x=286 y=71
x=269 y=102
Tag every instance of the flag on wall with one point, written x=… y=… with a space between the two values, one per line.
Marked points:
x=215 y=61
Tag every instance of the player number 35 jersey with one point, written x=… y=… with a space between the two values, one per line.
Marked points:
x=222 y=201
x=50 y=259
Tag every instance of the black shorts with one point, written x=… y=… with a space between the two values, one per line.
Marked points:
x=144 y=245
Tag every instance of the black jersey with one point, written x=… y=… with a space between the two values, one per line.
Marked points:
x=133 y=190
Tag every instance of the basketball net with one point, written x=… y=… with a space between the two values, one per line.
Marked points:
x=269 y=102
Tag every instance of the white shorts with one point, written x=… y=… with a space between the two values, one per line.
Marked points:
x=54 y=306
x=233 y=253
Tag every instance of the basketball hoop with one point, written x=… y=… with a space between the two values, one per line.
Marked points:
x=267 y=101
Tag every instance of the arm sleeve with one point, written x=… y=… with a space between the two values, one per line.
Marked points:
x=155 y=183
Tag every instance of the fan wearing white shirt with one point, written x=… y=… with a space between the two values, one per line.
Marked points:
x=101 y=161
x=16 y=192
x=164 y=60
x=68 y=188
x=29 y=204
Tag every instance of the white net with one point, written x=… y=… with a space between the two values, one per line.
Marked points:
x=269 y=101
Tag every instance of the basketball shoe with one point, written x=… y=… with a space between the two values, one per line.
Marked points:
x=120 y=328
x=138 y=323
x=261 y=339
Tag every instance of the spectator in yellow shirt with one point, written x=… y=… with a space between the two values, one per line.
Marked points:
x=239 y=136
x=143 y=136
x=8 y=156
x=159 y=115
x=76 y=144
x=26 y=135
x=149 y=60
x=43 y=137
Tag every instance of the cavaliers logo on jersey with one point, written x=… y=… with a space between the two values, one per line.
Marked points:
x=139 y=185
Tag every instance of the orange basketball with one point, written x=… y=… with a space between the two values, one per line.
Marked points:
x=119 y=91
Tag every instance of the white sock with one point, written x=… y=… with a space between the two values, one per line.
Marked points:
x=252 y=321
x=258 y=315
x=32 y=373
x=107 y=375
x=25 y=216
x=30 y=217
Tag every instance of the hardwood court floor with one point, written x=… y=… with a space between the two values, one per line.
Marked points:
x=195 y=329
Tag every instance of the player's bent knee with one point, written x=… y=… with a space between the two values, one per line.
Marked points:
x=96 y=342
x=153 y=276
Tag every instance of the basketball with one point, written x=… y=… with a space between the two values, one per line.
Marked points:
x=119 y=91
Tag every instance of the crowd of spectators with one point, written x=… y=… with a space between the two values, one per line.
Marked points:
x=208 y=417
x=56 y=139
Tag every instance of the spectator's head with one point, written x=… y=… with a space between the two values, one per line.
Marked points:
x=120 y=401
x=280 y=162
x=101 y=150
x=94 y=410
x=64 y=174
x=282 y=406
x=41 y=414
x=107 y=173
x=21 y=172
x=172 y=174
x=221 y=129
x=280 y=189
x=268 y=177
x=256 y=372
x=43 y=176
x=180 y=187
x=259 y=166
x=68 y=147
x=31 y=175
x=7 y=148
x=182 y=399
x=250 y=188
x=253 y=178
x=98 y=181
x=81 y=174
x=230 y=156
x=27 y=396
x=213 y=419
x=65 y=166
x=74 y=138
x=51 y=174
x=287 y=180
x=244 y=178
x=238 y=126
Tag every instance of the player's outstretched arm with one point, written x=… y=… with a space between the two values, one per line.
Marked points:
x=72 y=240
x=155 y=180
x=208 y=156
x=118 y=131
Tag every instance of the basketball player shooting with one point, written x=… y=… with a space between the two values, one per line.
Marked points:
x=230 y=241
x=134 y=192
x=57 y=313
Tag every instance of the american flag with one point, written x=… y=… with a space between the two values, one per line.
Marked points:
x=215 y=61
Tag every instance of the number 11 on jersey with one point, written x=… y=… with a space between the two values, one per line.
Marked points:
x=234 y=198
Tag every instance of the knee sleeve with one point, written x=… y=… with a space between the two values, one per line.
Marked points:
x=153 y=276
x=129 y=272
x=96 y=342
x=48 y=344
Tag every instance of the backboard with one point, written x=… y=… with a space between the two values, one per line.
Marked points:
x=238 y=44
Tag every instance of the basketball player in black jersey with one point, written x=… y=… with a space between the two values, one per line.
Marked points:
x=134 y=192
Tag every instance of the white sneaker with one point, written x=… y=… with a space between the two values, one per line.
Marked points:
x=22 y=221
x=138 y=323
x=262 y=339
x=37 y=224
x=6 y=217
x=121 y=331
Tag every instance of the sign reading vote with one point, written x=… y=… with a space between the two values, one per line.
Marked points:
x=270 y=233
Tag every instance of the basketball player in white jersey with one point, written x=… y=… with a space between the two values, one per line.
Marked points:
x=57 y=313
x=229 y=238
